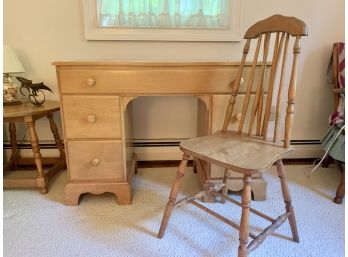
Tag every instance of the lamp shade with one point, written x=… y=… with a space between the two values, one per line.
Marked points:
x=11 y=62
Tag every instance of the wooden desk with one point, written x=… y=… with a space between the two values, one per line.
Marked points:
x=29 y=113
x=96 y=101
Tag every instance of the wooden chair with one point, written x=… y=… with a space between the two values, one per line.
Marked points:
x=335 y=77
x=252 y=152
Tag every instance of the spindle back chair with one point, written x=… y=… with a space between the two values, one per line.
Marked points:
x=252 y=152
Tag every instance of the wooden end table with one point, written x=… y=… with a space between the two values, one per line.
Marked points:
x=28 y=114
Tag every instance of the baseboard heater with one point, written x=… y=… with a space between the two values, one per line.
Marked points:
x=47 y=149
x=27 y=145
x=149 y=150
x=168 y=150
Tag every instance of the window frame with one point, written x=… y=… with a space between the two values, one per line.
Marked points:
x=93 y=32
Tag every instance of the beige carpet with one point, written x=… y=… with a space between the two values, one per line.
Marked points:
x=38 y=225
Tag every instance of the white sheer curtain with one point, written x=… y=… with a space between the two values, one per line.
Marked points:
x=164 y=13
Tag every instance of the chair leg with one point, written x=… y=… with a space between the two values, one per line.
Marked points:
x=244 y=223
x=341 y=187
x=173 y=195
x=287 y=200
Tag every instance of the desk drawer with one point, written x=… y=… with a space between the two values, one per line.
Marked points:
x=128 y=79
x=149 y=80
x=95 y=160
x=91 y=116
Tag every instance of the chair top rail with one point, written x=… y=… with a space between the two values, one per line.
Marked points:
x=277 y=23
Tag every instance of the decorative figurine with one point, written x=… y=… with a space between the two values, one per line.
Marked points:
x=35 y=94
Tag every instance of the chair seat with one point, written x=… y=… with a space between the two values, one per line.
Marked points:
x=235 y=151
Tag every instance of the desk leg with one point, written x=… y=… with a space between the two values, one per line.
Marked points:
x=13 y=142
x=41 y=179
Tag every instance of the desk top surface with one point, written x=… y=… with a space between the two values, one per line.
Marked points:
x=27 y=109
x=143 y=63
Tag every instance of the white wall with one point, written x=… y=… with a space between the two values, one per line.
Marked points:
x=46 y=31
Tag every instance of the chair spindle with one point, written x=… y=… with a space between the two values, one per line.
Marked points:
x=280 y=90
x=291 y=95
x=259 y=92
x=250 y=83
x=235 y=87
x=277 y=49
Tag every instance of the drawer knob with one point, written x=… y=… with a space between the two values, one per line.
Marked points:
x=91 y=118
x=91 y=82
x=95 y=161
x=241 y=82
x=239 y=116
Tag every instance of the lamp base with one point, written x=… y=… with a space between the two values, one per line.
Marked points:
x=16 y=102
x=9 y=91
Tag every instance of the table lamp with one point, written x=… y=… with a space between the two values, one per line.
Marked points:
x=11 y=65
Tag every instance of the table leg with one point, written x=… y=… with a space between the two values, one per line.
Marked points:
x=56 y=136
x=41 y=179
x=13 y=142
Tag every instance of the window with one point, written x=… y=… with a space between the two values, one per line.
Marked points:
x=179 y=20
